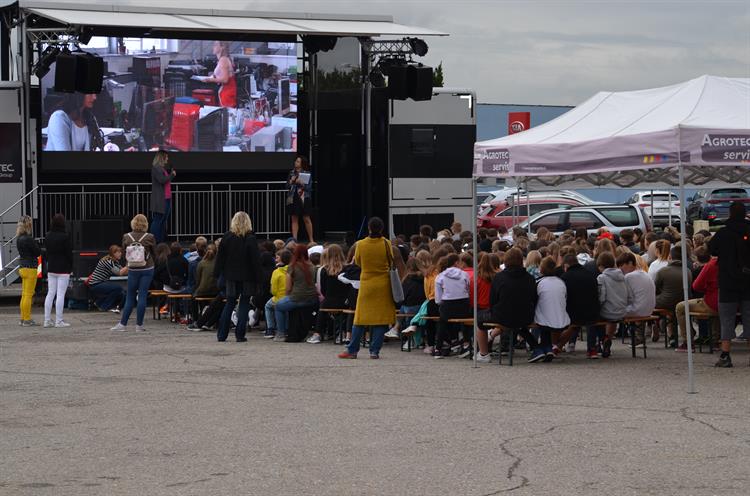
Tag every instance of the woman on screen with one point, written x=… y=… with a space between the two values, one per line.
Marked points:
x=224 y=75
x=72 y=127
x=299 y=197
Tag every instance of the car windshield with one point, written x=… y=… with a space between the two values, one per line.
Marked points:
x=729 y=193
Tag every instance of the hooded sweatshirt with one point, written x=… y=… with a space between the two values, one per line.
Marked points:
x=551 y=305
x=641 y=294
x=613 y=294
x=451 y=284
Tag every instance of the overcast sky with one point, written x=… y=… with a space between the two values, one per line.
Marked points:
x=559 y=52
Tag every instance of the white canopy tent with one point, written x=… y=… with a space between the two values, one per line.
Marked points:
x=696 y=133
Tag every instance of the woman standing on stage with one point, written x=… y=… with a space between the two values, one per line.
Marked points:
x=162 y=175
x=299 y=197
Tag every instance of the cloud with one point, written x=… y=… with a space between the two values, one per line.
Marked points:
x=558 y=52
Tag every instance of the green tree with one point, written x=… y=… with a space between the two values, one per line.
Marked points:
x=437 y=76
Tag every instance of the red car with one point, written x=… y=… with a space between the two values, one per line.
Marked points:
x=500 y=213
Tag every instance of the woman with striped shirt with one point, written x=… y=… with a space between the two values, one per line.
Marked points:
x=108 y=295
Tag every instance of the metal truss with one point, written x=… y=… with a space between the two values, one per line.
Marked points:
x=387 y=48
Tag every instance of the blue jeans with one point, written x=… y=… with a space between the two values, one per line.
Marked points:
x=226 y=315
x=593 y=334
x=159 y=222
x=107 y=294
x=286 y=305
x=377 y=334
x=138 y=283
x=270 y=317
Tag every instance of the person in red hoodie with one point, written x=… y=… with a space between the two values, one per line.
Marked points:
x=707 y=283
x=488 y=266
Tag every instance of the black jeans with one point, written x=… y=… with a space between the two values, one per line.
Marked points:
x=242 y=309
x=432 y=311
x=451 y=309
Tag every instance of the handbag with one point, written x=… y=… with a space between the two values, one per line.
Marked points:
x=397 y=290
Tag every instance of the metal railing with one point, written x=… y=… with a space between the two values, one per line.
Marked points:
x=197 y=208
x=8 y=251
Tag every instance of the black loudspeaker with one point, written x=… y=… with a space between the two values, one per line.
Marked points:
x=398 y=83
x=420 y=82
x=89 y=73
x=84 y=262
x=65 y=72
x=97 y=234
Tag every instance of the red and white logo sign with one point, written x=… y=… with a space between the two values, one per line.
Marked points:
x=518 y=121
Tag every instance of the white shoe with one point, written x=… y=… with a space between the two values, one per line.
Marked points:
x=570 y=347
x=409 y=330
x=314 y=339
x=49 y=323
x=428 y=350
x=114 y=310
x=119 y=327
x=140 y=328
x=483 y=358
x=62 y=323
x=392 y=333
x=405 y=346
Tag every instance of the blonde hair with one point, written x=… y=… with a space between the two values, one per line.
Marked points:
x=24 y=226
x=333 y=260
x=224 y=48
x=160 y=159
x=533 y=258
x=139 y=223
x=241 y=224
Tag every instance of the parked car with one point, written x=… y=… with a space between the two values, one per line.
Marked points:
x=591 y=217
x=501 y=212
x=666 y=206
x=713 y=204
x=497 y=195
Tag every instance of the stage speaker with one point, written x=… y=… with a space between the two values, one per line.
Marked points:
x=96 y=234
x=89 y=73
x=420 y=82
x=65 y=73
x=84 y=262
x=398 y=83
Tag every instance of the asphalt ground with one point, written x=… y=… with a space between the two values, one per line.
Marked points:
x=86 y=411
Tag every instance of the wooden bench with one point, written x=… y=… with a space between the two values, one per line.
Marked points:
x=634 y=323
x=707 y=317
x=668 y=317
x=172 y=299
x=339 y=323
x=156 y=294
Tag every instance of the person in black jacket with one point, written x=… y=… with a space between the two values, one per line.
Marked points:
x=582 y=302
x=513 y=296
x=334 y=291
x=238 y=261
x=59 y=265
x=28 y=253
x=732 y=246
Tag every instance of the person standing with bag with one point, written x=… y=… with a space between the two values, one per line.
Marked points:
x=376 y=308
x=59 y=266
x=162 y=175
x=139 y=254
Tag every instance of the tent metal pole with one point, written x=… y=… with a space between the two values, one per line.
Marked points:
x=652 y=208
x=528 y=207
x=475 y=249
x=685 y=289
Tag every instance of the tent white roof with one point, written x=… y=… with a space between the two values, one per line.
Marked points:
x=169 y=18
x=634 y=137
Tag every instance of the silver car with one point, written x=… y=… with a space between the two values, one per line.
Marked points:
x=592 y=217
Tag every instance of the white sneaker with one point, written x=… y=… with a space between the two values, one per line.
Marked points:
x=405 y=346
x=483 y=358
x=314 y=339
x=428 y=350
x=62 y=323
x=49 y=323
x=392 y=333
x=570 y=347
x=140 y=328
x=409 y=330
x=114 y=310
x=119 y=327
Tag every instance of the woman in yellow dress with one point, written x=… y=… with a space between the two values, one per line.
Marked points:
x=375 y=306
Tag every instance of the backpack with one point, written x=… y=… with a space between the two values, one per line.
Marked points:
x=135 y=253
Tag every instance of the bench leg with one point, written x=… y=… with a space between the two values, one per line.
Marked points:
x=632 y=337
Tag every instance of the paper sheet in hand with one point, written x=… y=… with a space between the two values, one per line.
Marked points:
x=202 y=79
x=304 y=177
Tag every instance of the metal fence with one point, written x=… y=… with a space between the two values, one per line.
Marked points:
x=197 y=208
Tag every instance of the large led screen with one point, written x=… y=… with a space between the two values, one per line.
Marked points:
x=178 y=95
